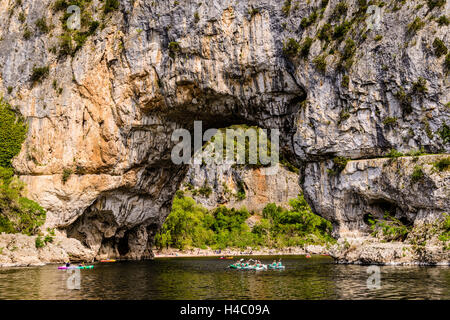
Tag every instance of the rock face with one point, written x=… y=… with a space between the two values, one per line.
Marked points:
x=226 y=181
x=375 y=186
x=20 y=250
x=106 y=113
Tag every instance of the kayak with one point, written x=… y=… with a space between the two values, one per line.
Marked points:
x=228 y=258
x=108 y=260
x=259 y=268
x=276 y=267
x=75 y=267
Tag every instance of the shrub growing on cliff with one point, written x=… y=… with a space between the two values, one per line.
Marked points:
x=39 y=73
x=320 y=63
x=174 y=47
x=439 y=47
x=444 y=133
x=393 y=153
x=405 y=100
x=291 y=47
x=417 y=174
x=443 y=21
x=339 y=164
x=415 y=26
x=442 y=164
x=447 y=62
x=12 y=133
x=389 y=228
x=110 y=6
x=286 y=7
x=17 y=213
x=339 y=11
x=420 y=86
x=306 y=45
x=435 y=4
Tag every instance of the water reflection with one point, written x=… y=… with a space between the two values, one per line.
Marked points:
x=208 y=278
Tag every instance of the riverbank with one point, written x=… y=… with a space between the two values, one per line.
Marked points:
x=18 y=250
x=172 y=252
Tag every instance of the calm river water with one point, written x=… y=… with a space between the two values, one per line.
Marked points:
x=209 y=278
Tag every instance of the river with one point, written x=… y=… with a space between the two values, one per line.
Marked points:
x=209 y=278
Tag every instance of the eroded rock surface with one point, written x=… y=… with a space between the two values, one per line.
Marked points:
x=226 y=181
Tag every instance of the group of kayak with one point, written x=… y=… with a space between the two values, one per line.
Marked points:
x=256 y=265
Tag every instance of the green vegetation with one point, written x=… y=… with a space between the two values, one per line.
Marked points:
x=444 y=133
x=26 y=33
x=262 y=155
x=439 y=47
x=420 y=86
x=378 y=37
x=73 y=40
x=339 y=11
x=447 y=62
x=445 y=234
x=110 y=6
x=66 y=175
x=13 y=131
x=435 y=4
x=306 y=22
x=393 y=153
x=324 y=33
x=253 y=11
x=443 y=21
x=241 y=191
x=389 y=121
x=405 y=100
x=347 y=54
x=41 y=24
x=442 y=164
x=39 y=243
x=345 y=81
x=417 y=174
x=339 y=164
x=291 y=47
x=17 y=213
x=196 y=17
x=306 y=45
x=22 y=17
x=415 y=26
x=320 y=63
x=389 y=228
x=174 y=47
x=39 y=73
x=286 y=7
x=191 y=225
x=341 y=30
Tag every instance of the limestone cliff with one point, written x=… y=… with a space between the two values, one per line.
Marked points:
x=102 y=102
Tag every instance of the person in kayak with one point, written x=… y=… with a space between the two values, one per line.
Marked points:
x=279 y=263
x=68 y=263
x=274 y=263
